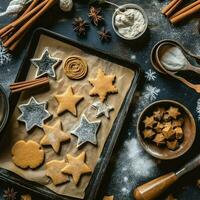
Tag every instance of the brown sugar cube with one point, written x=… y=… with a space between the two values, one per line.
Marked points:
x=166 y=117
x=158 y=128
x=158 y=114
x=172 y=145
x=169 y=133
x=159 y=139
x=148 y=133
x=149 y=122
x=179 y=133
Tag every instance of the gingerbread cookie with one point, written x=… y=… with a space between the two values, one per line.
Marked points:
x=76 y=166
x=27 y=154
x=108 y=198
x=75 y=68
x=102 y=85
x=54 y=136
x=68 y=101
x=26 y=197
x=53 y=170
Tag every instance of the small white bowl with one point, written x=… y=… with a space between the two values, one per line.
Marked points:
x=128 y=6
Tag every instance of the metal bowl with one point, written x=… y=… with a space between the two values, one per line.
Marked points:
x=4 y=108
x=189 y=130
x=127 y=6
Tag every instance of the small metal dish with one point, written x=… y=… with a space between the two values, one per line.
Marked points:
x=189 y=130
x=128 y=6
x=4 y=108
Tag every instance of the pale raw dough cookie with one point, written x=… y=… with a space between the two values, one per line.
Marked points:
x=68 y=101
x=26 y=197
x=27 y=154
x=54 y=136
x=53 y=170
x=102 y=85
x=76 y=166
x=108 y=198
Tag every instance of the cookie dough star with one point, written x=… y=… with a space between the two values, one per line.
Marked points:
x=102 y=109
x=86 y=131
x=173 y=112
x=53 y=170
x=76 y=166
x=54 y=136
x=33 y=114
x=45 y=64
x=68 y=101
x=102 y=85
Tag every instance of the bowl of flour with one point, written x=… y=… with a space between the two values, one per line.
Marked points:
x=129 y=21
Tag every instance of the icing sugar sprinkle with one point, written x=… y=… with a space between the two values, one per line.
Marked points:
x=150 y=75
x=5 y=56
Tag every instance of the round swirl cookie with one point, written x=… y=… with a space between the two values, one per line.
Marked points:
x=75 y=68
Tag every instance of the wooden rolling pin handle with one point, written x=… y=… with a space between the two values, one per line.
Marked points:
x=154 y=188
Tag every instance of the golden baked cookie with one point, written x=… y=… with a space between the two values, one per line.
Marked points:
x=53 y=170
x=76 y=166
x=75 y=68
x=54 y=136
x=26 y=197
x=173 y=112
x=108 y=198
x=68 y=101
x=27 y=154
x=102 y=85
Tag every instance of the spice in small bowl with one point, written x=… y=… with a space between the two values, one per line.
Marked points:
x=129 y=21
x=166 y=129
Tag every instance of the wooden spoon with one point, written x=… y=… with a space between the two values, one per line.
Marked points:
x=167 y=46
x=196 y=87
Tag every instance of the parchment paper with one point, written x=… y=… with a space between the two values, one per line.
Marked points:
x=17 y=130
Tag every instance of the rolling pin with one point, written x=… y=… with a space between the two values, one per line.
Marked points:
x=156 y=187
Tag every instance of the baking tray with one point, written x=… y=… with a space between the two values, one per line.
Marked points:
x=100 y=169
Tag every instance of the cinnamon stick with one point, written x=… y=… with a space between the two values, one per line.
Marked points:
x=185 y=12
x=173 y=8
x=28 y=24
x=27 y=85
x=169 y=6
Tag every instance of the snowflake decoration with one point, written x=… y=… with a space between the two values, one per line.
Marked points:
x=198 y=108
x=5 y=56
x=10 y=194
x=151 y=93
x=150 y=75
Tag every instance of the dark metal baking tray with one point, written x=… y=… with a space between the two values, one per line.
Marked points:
x=100 y=169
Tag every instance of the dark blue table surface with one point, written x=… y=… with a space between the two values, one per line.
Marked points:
x=130 y=165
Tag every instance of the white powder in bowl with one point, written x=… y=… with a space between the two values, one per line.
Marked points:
x=130 y=23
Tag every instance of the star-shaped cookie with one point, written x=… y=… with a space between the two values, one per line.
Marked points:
x=33 y=114
x=53 y=170
x=102 y=109
x=54 y=136
x=68 y=101
x=173 y=112
x=45 y=64
x=86 y=131
x=102 y=85
x=149 y=122
x=76 y=167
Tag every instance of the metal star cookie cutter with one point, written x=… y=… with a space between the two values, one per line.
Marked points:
x=45 y=64
x=86 y=131
x=33 y=114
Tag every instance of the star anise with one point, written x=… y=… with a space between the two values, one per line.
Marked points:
x=10 y=194
x=80 y=25
x=104 y=35
x=95 y=15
